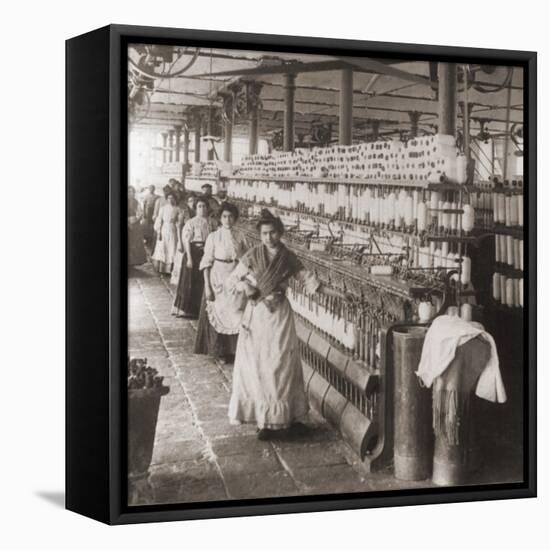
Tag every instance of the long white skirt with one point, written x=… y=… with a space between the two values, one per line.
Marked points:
x=268 y=383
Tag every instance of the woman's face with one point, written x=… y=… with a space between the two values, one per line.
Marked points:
x=202 y=211
x=269 y=235
x=227 y=219
x=191 y=202
x=172 y=200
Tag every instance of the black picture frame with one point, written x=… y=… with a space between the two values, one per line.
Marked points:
x=96 y=293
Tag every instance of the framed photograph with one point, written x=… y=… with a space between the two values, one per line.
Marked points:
x=301 y=274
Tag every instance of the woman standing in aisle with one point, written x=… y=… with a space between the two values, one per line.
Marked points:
x=186 y=213
x=268 y=385
x=190 y=283
x=167 y=239
x=136 y=248
x=221 y=310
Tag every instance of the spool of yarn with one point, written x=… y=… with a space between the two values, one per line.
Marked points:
x=454 y=217
x=516 y=292
x=510 y=292
x=466 y=311
x=391 y=208
x=496 y=286
x=509 y=250
x=408 y=212
x=502 y=289
x=495 y=207
x=421 y=216
x=508 y=210
x=424 y=257
x=497 y=248
x=503 y=248
x=514 y=210
x=516 y=254
x=501 y=208
x=445 y=217
x=444 y=251
x=438 y=258
x=468 y=218
x=434 y=202
x=466 y=273
x=520 y=210
x=424 y=311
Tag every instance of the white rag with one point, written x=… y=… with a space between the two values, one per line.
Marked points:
x=443 y=337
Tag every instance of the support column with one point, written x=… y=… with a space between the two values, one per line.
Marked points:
x=178 y=144
x=346 y=107
x=209 y=132
x=185 y=146
x=288 y=128
x=253 y=90
x=171 y=145
x=198 y=122
x=227 y=140
x=466 y=114
x=414 y=117
x=446 y=73
x=164 y=147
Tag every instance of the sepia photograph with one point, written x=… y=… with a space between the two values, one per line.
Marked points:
x=325 y=274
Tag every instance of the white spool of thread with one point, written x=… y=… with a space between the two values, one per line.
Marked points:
x=466 y=311
x=408 y=211
x=501 y=208
x=434 y=202
x=421 y=216
x=508 y=210
x=502 y=289
x=497 y=248
x=495 y=207
x=516 y=253
x=446 y=218
x=503 y=248
x=416 y=200
x=510 y=292
x=509 y=250
x=466 y=273
x=514 y=210
x=453 y=218
x=520 y=210
x=496 y=286
x=468 y=218
x=391 y=207
x=424 y=311
x=516 y=293
x=425 y=258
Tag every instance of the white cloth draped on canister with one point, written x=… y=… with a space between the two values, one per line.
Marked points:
x=443 y=338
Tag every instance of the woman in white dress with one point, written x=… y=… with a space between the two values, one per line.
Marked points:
x=268 y=384
x=221 y=311
x=167 y=238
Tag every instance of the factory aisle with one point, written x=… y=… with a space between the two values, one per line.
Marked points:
x=198 y=455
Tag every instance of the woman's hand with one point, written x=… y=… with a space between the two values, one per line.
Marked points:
x=189 y=263
x=209 y=293
x=180 y=248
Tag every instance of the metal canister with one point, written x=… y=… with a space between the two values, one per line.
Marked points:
x=413 y=436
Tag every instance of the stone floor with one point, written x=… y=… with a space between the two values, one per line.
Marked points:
x=199 y=456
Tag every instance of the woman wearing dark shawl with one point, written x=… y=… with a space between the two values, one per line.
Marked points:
x=268 y=384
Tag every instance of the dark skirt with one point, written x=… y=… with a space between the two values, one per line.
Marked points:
x=210 y=342
x=190 y=285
